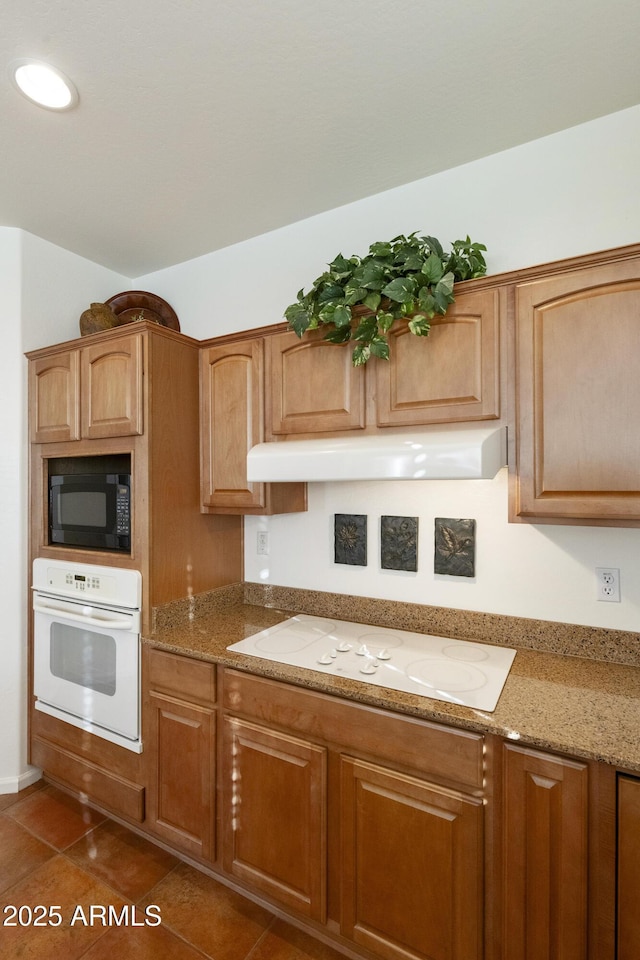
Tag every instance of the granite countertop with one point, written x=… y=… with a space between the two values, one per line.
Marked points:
x=583 y=707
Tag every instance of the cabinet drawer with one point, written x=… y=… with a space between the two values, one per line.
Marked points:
x=186 y=678
x=105 y=788
x=445 y=753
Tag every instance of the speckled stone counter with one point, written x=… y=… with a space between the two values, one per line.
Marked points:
x=577 y=701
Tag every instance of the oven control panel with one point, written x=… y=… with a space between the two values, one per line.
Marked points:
x=82 y=583
x=112 y=585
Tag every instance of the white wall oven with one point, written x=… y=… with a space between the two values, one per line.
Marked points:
x=87 y=647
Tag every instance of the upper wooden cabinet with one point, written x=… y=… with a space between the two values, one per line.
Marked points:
x=111 y=388
x=451 y=375
x=231 y=413
x=578 y=395
x=231 y=422
x=54 y=391
x=88 y=392
x=130 y=395
x=313 y=386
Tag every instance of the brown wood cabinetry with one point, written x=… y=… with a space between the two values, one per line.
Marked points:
x=314 y=387
x=127 y=396
x=275 y=833
x=231 y=422
x=88 y=392
x=628 y=914
x=275 y=385
x=180 y=742
x=389 y=835
x=111 y=388
x=451 y=375
x=545 y=849
x=54 y=397
x=133 y=393
x=106 y=774
x=578 y=395
x=412 y=865
x=380 y=814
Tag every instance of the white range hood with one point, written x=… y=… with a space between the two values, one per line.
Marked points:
x=469 y=453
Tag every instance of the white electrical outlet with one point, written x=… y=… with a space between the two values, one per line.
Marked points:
x=608 y=580
x=262 y=543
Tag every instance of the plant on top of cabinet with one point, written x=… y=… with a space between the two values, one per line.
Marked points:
x=407 y=277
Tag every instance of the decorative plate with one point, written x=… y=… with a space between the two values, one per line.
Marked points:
x=139 y=305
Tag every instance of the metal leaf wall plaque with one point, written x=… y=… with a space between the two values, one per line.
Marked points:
x=350 y=538
x=399 y=543
x=455 y=547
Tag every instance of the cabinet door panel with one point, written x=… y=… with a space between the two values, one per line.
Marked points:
x=314 y=386
x=274 y=833
x=111 y=388
x=181 y=799
x=54 y=393
x=578 y=393
x=412 y=865
x=451 y=375
x=545 y=856
x=232 y=418
x=628 y=868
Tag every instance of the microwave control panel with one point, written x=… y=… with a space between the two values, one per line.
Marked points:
x=122 y=511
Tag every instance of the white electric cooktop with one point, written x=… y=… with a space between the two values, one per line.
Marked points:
x=457 y=671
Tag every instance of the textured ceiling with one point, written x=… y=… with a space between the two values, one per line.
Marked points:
x=202 y=123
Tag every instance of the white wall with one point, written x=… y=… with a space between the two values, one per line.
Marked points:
x=568 y=194
x=57 y=286
x=13 y=523
x=43 y=291
x=564 y=195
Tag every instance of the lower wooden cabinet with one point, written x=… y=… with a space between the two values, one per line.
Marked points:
x=275 y=788
x=628 y=918
x=348 y=826
x=180 y=742
x=545 y=849
x=412 y=866
x=393 y=837
x=94 y=769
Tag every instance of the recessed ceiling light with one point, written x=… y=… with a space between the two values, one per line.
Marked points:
x=43 y=84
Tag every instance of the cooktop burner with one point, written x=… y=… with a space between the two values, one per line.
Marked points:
x=457 y=671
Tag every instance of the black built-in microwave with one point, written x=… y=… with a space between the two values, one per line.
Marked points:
x=90 y=511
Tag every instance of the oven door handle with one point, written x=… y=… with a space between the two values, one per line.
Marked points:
x=106 y=618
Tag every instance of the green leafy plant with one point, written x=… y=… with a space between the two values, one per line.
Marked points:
x=358 y=298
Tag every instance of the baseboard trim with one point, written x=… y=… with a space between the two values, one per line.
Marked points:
x=16 y=784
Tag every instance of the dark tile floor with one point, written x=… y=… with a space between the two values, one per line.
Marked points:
x=75 y=884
